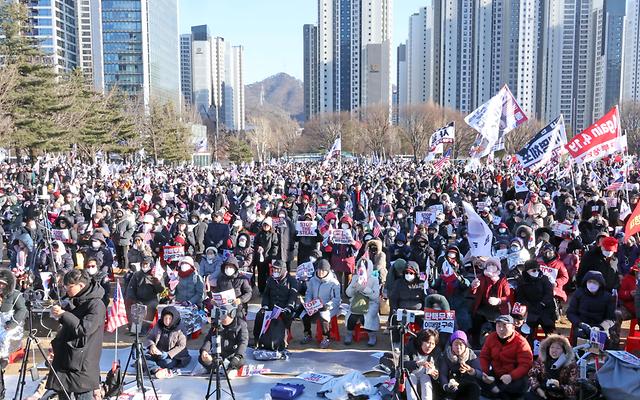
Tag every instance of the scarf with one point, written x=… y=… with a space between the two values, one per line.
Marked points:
x=185 y=274
x=457 y=359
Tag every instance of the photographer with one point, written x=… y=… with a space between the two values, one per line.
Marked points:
x=13 y=312
x=166 y=345
x=78 y=345
x=234 y=338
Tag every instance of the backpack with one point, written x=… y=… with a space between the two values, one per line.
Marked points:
x=273 y=338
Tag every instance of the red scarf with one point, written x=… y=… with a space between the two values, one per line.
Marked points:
x=449 y=284
x=185 y=274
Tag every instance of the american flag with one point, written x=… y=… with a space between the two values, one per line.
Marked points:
x=617 y=184
x=117 y=314
x=376 y=229
x=446 y=157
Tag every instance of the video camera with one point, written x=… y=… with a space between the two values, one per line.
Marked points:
x=138 y=313
x=405 y=317
x=218 y=313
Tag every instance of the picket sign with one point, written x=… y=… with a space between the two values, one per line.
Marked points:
x=441 y=321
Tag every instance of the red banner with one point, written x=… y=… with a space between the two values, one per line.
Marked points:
x=633 y=224
x=599 y=140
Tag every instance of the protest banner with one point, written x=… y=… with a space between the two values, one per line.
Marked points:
x=425 y=217
x=599 y=140
x=341 y=236
x=549 y=272
x=561 y=230
x=611 y=202
x=313 y=306
x=279 y=222
x=545 y=146
x=305 y=271
x=307 y=228
x=496 y=220
x=437 y=209
x=60 y=234
x=173 y=253
x=225 y=297
x=314 y=377
x=441 y=321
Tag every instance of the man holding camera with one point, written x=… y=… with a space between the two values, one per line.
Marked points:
x=233 y=335
x=78 y=345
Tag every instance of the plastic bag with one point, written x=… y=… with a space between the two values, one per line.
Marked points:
x=620 y=367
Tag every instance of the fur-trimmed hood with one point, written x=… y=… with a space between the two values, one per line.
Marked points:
x=549 y=340
x=7 y=276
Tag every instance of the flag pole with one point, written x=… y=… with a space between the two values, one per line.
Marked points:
x=573 y=181
x=626 y=172
x=115 y=356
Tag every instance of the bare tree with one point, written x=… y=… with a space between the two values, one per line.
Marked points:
x=417 y=123
x=326 y=128
x=377 y=129
x=261 y=136
x=630 y=122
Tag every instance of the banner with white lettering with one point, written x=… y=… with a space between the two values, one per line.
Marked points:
x=602 y=138
x=307 y=228
x=441 y=321
x=545 y=146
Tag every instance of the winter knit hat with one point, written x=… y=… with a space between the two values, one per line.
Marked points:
x=460 y=335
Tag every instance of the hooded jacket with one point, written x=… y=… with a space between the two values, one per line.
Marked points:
x=244 y=255
x=628 y=285
x=591 y=308
x=537 y=295
x=240 y=285
x=343 y=256
x=213 y=268
x=170 y=339
x=593 y=260
x=190 y=288
x=12 y=299
x=78 y=345
x=327 y=290
x=233 y=342
x=281 y=292
x=407 y=295
x=379 y=259
x=564 y=370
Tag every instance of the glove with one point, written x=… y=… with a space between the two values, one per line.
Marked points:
x=326 y=308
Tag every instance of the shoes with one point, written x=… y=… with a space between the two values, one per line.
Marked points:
x=348 y=338
x=372 y=339
x=306 y=339
x=164 y=373
x=325 y=343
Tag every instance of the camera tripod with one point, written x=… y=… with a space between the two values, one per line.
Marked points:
x=402 y=373
x=23 y=367
x=216 y=368
x=142 y=368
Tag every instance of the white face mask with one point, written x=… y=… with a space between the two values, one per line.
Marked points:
x=312 y=259
x=146 y=268
x=92 y=270
x=533 y=274
x=242 y=242
x=502 y=230
x=229 y=271
x=409 y=277
x=95 y=244
x=451 y=255
x=275 y=274
x=185 y=267
x=344 y=226
x=210 y=258
x=607 y=253
x=515 y=248
x=592 y=287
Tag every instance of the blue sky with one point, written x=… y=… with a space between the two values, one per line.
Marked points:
x=271 y=30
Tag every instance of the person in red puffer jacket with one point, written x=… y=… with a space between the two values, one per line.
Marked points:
x=506 y=359
x=628 y=290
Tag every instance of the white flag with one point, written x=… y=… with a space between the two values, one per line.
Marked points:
x=479 y=233
x=520 y=185
x=335 y=150
x=494 y=119
x=446 y=134
x=625 y=210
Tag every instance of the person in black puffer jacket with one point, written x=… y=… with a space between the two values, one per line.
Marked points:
x=234 y=340
x=244 y=252
x=266 y=248
x=145 y=288
x=231 y=279
x=593 y=305
x=421 y=252
x=281 y=291
x=407 y=293
x=536 y=292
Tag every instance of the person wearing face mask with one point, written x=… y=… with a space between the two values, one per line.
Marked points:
x=100 y=277
x=98 y=250
x=602 y=259
x=197 y=229
x=306 y=244
x=286 y=231
x=144 y=288
x=423 y=254
x=593 y=305
x=536 y=292
x=554 y=374
x=123 y=229
x=266 y=247
x=491 y=297
x=407 y=293
x=217 y=232
x=343 y=256
x=525 y=234
x=244 y=252
x=398 y=249
x=324 y=287
x=505 y=359
x=594 y=205
x=58 y=260
x=451 y=284
x=364 y=295
x=210 y=266
x=231 y=279
x=502 y=233
x=556 y=271
x=190 y=286
x=281 y=291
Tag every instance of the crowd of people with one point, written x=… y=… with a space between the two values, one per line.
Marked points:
x=308 y=239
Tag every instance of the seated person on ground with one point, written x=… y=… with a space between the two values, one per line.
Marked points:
x=554 y=374
x=234 y=338
x=166 y=345
x=460 y=370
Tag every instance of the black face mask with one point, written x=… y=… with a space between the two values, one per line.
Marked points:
x=373 y=249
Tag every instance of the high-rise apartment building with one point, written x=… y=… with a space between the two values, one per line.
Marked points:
x=185 y=68
x=137 y=48
x=354 y=54
x=631 y=59
x=217 y=80
x=55 y=28
x=311 y=75
x=615 y=12
x=84 y=36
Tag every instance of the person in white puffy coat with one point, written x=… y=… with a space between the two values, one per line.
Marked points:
x=364 y=295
